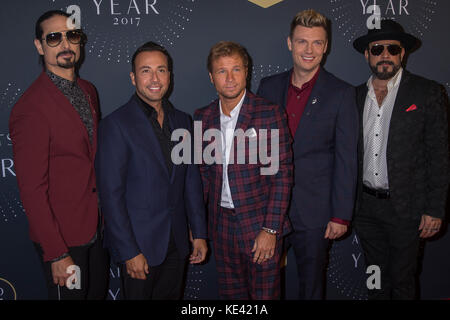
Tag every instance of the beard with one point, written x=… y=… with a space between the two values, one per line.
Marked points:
x=385 y=74
x=67 y=63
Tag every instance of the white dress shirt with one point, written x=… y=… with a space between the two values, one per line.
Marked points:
x=227 y=127
x=376 y=122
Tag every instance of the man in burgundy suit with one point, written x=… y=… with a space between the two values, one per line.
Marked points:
x=247 y=197
x=54 y=132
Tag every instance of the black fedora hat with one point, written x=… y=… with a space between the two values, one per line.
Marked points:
x=390 y=30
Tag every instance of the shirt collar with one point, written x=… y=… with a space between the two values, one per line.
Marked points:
x=306 y=84
x=60 y=81
x=235 y=112
x=166 y=105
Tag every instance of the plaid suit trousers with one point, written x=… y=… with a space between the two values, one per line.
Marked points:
x=239 y=277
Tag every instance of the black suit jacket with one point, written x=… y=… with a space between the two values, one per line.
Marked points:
x=417 y=148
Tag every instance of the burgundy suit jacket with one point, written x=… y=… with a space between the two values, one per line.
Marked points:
x=54 y=164
x=259 y=200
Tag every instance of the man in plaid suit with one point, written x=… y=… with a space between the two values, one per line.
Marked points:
x=247 y=196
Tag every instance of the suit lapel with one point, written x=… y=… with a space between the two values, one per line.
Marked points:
x=146 y=134
x=286 y=82
x=398 y=111
x=243 y=121
x=94 y=114
x=244 y=114
x=314 y=102
x=361 y=93
x=174 y=124
x=361 y=98
x=213 y=122
x=66 y=107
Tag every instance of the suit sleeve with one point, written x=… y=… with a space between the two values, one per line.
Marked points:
x=204 y=169
x=436 y=144
x=266 y=91
x=30 y=135
x=111 y=168
x=345 y=159
x=282 y=181
x=261 y=88
x=194 y=204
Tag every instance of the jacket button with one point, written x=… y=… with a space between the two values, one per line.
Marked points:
x=94 y=190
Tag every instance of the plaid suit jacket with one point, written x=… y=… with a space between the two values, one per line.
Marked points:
x=259 y=200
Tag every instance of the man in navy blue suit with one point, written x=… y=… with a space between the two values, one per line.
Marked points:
x=150 y=205
x=323 y=121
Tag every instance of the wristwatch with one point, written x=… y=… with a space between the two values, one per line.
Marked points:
x=269 y=231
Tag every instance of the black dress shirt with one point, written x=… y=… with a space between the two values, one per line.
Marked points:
x=164 y=133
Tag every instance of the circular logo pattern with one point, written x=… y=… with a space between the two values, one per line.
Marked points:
x=346 y=272
x=261 y=71
x=115 y=29
x=7 y=290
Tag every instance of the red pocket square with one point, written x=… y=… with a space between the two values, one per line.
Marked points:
x=411 y=108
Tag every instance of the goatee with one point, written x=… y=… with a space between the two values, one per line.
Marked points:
x=68 y=63
x=385 y=74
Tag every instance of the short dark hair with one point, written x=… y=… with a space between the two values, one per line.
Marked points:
x=149 y=47
x=49 y=14
x=226 y=49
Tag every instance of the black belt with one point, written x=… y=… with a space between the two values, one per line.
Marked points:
x=379 y=194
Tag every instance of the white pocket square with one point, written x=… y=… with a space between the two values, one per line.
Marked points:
x=252 y=133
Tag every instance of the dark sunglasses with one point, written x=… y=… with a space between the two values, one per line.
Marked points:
x=393 y=49
x=73 y=36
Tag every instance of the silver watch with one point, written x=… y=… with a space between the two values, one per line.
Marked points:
x=269 y=230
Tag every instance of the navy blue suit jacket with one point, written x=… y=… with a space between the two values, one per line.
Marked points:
x=325 y=149
x=139 y=200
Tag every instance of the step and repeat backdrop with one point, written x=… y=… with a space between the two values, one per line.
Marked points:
x=188 y=28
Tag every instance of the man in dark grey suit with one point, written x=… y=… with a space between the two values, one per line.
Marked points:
x=403 y=160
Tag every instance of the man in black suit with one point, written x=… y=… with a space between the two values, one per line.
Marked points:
x=323 y=120
x=403 y=160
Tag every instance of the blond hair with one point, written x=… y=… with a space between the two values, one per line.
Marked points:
x=309 y=18
x=226 y=49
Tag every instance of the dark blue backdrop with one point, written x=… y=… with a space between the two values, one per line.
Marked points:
x=188 y=28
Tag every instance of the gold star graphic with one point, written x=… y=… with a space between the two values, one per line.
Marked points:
x=265 y=3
